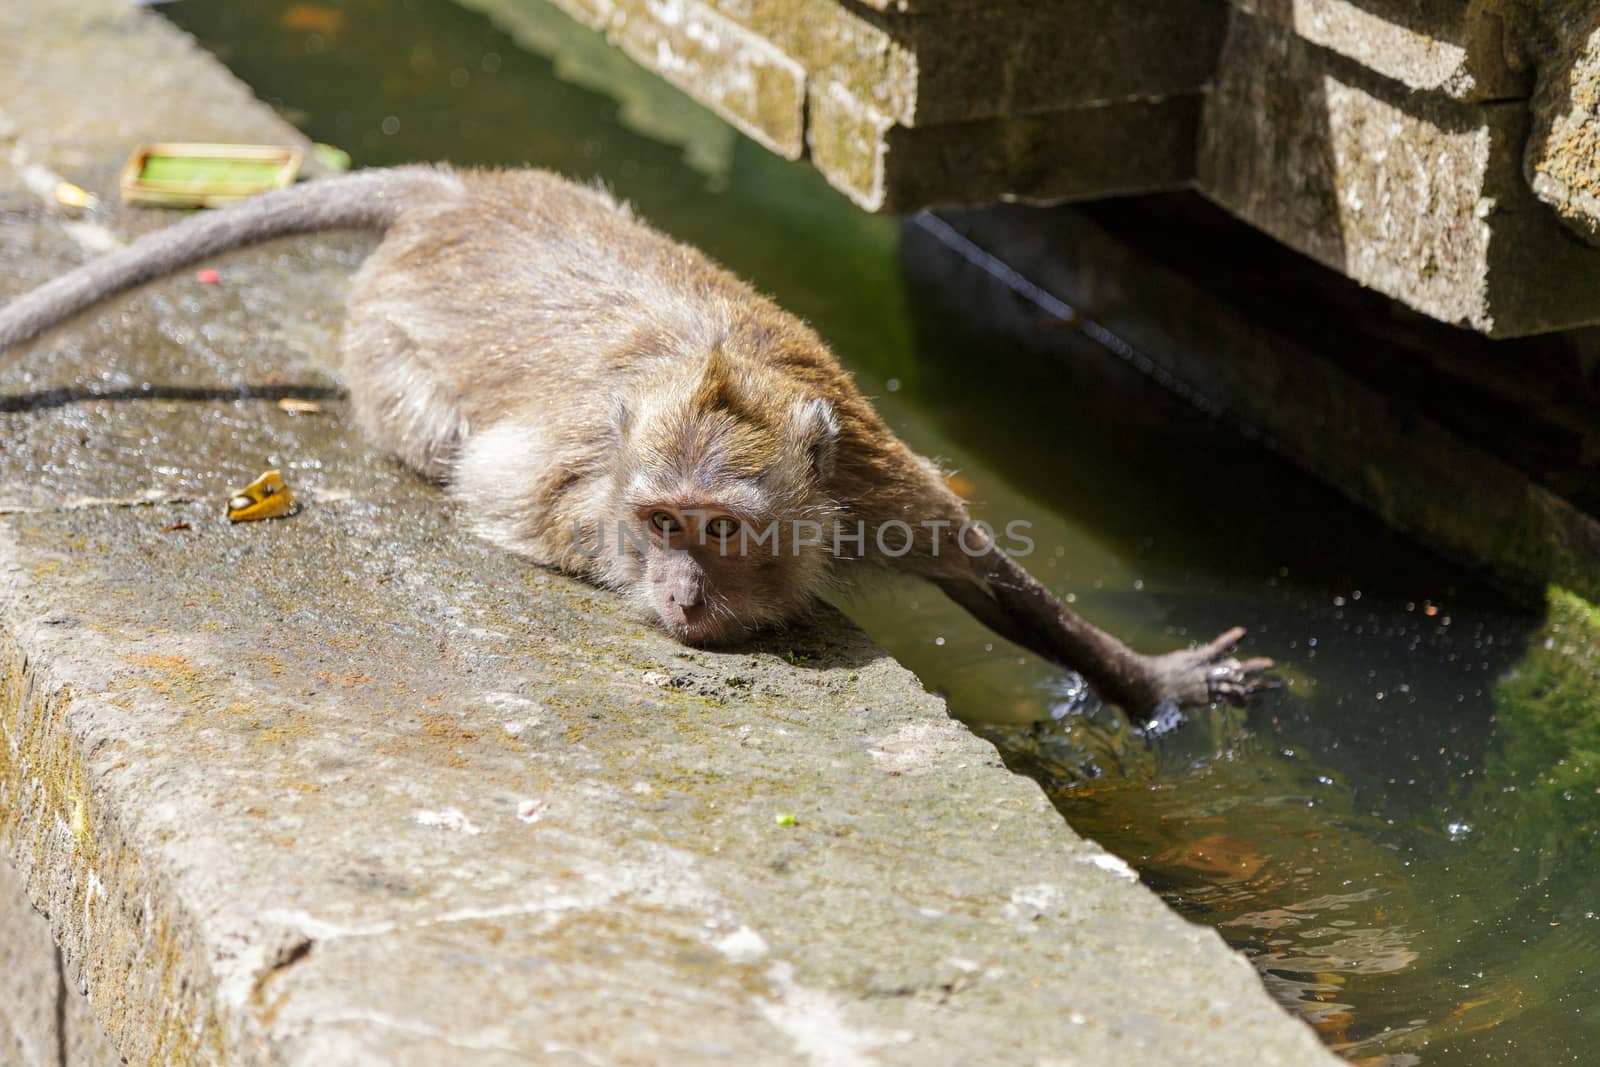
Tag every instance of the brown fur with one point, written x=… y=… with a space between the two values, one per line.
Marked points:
x=568 y=370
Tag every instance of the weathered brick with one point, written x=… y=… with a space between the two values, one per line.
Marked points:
x=1465 y=49
x=994 y=60
x=727 y=67
x=1067 y=155
x=1416 y=195
x=1562 y=162
x=736 y=72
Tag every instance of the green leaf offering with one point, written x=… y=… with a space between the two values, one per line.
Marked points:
x=195 y=169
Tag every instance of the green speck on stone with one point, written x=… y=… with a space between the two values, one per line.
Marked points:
x=784 y=818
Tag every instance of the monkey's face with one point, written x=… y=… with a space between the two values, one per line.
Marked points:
x=731 y=503
x=714 y=574
x=695 y=577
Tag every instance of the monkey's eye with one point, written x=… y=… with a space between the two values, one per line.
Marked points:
x=722 y=527
x=663 y=521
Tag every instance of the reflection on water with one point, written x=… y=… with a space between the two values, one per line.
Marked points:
x=1403 y=839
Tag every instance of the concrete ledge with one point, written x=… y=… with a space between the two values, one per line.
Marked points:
x=268 y=846
x=350 y=788
x=744 y=78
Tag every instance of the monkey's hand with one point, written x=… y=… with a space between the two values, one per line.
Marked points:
x=1193 y=676
x=1152 y=689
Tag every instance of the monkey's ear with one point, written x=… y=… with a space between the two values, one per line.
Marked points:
x=816 y=427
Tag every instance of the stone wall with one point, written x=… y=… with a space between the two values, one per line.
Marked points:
x=1445 y=153
x=907 y=105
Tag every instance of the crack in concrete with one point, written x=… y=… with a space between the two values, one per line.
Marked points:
x=86 y=502
x=63 y=991
x=286 y=957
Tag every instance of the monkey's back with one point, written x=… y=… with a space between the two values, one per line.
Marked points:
x=521 y=294
x=521 y=309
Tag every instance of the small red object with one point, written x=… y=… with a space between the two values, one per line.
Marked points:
x=207 y=277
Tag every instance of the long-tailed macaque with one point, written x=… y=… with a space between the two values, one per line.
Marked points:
x=609 y=402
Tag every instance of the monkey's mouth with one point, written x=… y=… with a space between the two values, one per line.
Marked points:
x=703 y=631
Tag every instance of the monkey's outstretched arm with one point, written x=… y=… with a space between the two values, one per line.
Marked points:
x=366 y=200
x=1017 y=606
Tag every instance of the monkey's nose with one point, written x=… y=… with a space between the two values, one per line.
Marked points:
x=688 y=622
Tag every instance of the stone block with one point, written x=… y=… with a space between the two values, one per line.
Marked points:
x=1563 y=156
x=1418 y=196
x=997 y=60
x=962 y=105
x=1088 y=152
x=727 y=67
x=1466 y=50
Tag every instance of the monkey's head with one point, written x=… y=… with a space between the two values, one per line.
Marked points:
x=723 y=477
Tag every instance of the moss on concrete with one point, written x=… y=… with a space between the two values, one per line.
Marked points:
x=1549 y=724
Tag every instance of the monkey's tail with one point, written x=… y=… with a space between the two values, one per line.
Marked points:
x=366 y=200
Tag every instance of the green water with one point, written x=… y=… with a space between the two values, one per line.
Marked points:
x=1403 y=840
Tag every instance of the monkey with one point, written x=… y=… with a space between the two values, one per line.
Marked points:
x=566 y=370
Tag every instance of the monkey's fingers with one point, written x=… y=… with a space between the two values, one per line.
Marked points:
x=1223 y=644
x=1236 y=681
